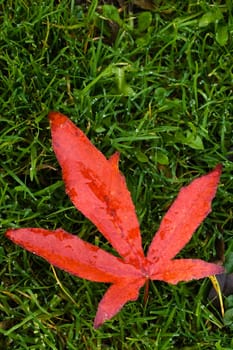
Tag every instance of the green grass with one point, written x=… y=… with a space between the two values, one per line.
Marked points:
x=159 y=90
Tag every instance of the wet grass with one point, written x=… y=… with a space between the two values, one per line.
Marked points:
x=156 y=86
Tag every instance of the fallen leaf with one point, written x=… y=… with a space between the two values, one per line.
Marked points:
x=98 y=189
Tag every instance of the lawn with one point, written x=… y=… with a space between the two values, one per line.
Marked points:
x=155 y=84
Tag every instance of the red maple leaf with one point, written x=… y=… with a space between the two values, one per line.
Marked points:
x=98 y=189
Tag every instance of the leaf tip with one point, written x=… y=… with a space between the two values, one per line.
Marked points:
x=57 y=118
x=100 y=318
x=9 y=233
x=216 y=173
x=114 y=160
x=218 y=169
x=97 y=324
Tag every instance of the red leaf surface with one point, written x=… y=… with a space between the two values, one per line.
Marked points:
x=190 y=208
x=73 y=254
x=98 y=189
